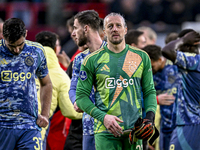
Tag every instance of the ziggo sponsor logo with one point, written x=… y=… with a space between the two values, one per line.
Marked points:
x=8 y=75
x=112 y=83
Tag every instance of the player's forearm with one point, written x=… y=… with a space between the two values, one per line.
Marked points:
x=85 y=104
x=150 y=102
x=71 y=114
x=72 y=91
x=45 y=97
x=67 y=108
x=169 y=50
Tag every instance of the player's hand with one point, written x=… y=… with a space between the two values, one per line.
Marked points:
x=110 y=122
x=192 y=38
x=77 y=109
x=143 y=129
x=166 y=99
x=64 y=59
x=42 y=121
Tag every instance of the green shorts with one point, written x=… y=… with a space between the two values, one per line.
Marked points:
x=107 y=141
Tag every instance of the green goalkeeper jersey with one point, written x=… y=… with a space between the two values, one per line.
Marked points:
x=119 y=80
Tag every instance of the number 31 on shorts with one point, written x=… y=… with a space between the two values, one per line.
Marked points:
x=172 y=147
x=38 y=142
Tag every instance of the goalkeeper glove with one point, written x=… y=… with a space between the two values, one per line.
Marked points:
x=144 y=129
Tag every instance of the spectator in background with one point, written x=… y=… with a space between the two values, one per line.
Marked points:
x=176 y=12
x=22 y=11
x=21 y=62
x=196 y=11
x=136 y=38
x=61 y=85
x=129 y=8
x=1 y=28
x=151 y=11
x=86 y=32
x=149 y=33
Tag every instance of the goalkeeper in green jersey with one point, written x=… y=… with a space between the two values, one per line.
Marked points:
x=118 y=71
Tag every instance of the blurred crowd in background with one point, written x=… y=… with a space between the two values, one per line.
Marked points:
x=164 y=16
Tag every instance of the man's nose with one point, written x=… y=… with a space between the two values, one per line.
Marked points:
x=114 y=28
x=73 y=34
x=16 y=49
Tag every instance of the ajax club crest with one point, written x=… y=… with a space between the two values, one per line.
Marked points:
x=29 y=61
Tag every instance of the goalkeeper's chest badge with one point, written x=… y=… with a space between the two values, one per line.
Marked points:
x=83 y=75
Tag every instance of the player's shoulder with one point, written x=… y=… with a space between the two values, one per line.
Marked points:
x=138 y=51
x=183 y=55
x=1 y=46
x=34 y=45
x=85 y=52
x=79 y=57
x=97 y=52
x=81 y=54
x=168 y=62
x=187 y=54
x=1 y=42
x=94 y=55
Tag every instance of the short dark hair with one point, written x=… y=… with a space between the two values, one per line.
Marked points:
x=70 y=22
x=184 y=32
x=88 y=17
x=14 y=29
x=132 y=36
x=46 y=38
x=153 y=51
x=101 y=24
x=170 y=37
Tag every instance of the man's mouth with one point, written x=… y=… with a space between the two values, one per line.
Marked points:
x=115 y=35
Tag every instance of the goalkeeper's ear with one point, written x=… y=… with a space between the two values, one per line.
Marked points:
x=150 y=115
